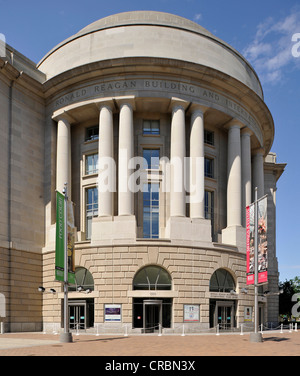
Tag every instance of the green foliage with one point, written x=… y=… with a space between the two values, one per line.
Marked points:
x=286 y=303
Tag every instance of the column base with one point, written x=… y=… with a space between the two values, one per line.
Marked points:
x=111 y=230
x=187 y=229
x=66 y=337
x=235 y=235
x=256 y=337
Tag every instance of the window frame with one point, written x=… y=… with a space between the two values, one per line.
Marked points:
x=154 y=166
x=149 y=284
x=207 y=140
x=94 y=136
x=209 y=172
x=88 y=232
x=151 y=131
x=153 y=211
x=94 y=171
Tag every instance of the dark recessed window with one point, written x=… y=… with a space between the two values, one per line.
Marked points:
x=92 y=133
x=221 y=281
x=209 y=137
x=152 y=278
x=151 y=127
x=209 y=167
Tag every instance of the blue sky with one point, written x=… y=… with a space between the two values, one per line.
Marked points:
x=261 y=30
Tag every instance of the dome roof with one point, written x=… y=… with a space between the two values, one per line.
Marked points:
x=149 y=34
x=144 y=18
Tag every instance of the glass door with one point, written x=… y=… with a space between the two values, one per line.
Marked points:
x=152 y=315
x=224 y=315
x=77 y=316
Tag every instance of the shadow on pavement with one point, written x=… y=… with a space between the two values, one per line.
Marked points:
x=276 y=339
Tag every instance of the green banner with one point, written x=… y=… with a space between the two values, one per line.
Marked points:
x=60 y=237
x=60 y=240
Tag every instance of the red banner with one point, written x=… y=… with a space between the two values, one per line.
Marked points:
x=261 y=240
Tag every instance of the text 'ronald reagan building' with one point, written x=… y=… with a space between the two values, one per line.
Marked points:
x=161 y=133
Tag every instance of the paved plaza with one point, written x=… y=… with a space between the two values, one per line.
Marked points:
x=38 y=344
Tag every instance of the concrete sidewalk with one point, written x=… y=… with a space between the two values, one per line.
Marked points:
x=38 y=344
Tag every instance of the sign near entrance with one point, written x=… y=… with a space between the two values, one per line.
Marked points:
x=191 y=313
x=247 y=314
x=112 y=312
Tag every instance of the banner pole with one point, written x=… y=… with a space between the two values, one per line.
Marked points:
x=66 y=336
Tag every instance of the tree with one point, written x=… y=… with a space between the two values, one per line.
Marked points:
x=286 y=302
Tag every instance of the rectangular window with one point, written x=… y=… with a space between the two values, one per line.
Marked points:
x=92 y=133
x=209 y=209
x=151 y=127
x=91 y=164
x=151 y=210
x=91 y=209
x=209 y=205
x=151 y=159
x=208 y=167
x=209 y=137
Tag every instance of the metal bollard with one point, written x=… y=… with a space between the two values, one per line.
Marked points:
x=126 y=331
x=182 y=335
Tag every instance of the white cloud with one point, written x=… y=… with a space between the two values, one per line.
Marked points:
x=270 y=52
x=198 y=17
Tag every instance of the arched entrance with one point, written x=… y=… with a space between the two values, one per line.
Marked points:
x=222 y=306
x=151 y=314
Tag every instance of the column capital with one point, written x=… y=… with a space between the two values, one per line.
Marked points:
x=246 y=132
x=106 y=102
x=126 y=100
x=234 y=123
x=259 y=152
x=177 y=103
x=63 y=116
x=195 y=108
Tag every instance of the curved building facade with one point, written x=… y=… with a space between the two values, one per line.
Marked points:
x=161 y=133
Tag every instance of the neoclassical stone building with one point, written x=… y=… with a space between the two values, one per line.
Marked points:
x=161 y=133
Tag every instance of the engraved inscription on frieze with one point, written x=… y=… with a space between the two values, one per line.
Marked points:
x=133 y=87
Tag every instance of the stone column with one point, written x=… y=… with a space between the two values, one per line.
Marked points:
x=234 y=182
x=126 y=152
x=258 y=172
x=106 y=163
x=197 y=209
x=178 y=152
x=234 y=233
x=63 y=155
x=246 y=172
x=107 y=227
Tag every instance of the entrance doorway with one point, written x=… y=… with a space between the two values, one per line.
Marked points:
x=222 y=313
x=148 y=314
x=81 y=314
x=152 y=310
x=77 y=316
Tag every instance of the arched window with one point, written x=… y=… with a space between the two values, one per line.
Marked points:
x=221 y=281
x=84 y=280
x=152 y=278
